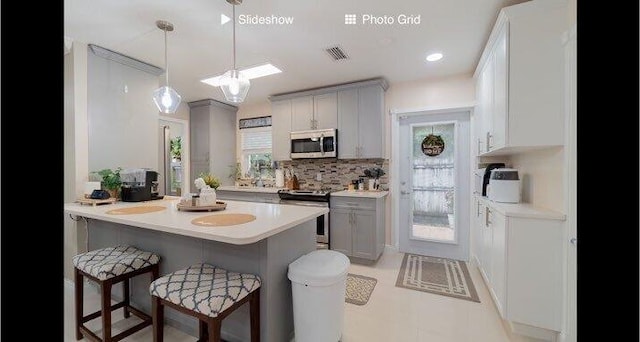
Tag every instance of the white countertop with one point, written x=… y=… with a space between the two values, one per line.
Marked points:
x=270 y=190
x=270 y=219
x=524 y=210
x=360 y=193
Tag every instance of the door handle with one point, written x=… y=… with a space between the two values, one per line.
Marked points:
x=478 y=209
x=479 y=146
x=574 y=241
x=489 y=136
x=486 y=217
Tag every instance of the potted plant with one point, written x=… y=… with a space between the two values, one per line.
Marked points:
x=448 y=197
x=374 y=175
x=110 y=181
x=210 y=180
x=236 y=172
x=176 y=148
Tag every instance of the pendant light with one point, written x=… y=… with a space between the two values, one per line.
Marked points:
x=233 y=84
x=166 y=98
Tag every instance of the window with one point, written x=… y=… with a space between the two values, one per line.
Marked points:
x=256 y=152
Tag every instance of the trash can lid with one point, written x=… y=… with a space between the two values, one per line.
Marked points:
x=319 y=268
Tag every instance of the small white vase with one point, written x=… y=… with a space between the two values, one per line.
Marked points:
x=372 y=184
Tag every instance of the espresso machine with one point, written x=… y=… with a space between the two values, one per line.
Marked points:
x=139 y=185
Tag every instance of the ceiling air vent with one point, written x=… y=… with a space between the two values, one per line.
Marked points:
x=337 y=54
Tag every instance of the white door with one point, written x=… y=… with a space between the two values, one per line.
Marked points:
x=435 y=190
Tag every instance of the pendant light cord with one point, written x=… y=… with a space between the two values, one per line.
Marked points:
x=166 y=63
x=234 y=37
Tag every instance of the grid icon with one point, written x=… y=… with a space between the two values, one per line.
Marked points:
x=350 y=19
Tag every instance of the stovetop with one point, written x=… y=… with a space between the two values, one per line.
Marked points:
x=304 y=195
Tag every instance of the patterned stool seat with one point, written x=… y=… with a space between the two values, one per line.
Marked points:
x=110 y=262
x=204 y=288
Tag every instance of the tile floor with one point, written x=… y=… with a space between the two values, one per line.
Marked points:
x=432 y=233
x=392 y=313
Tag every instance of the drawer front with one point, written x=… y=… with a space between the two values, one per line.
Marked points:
x=353 y=203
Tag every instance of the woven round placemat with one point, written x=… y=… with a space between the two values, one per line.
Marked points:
x=143 y=209
x=222 y=220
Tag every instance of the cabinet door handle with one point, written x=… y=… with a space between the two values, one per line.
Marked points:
x=478 y=209
x=486 y=217
x=489 y=136
x=479 y=146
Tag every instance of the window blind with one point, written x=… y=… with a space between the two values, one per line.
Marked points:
x=256 y=140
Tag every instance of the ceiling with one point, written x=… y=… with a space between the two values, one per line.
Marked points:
x=201 y=47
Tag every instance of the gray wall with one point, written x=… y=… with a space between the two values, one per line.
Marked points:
x=123 y=124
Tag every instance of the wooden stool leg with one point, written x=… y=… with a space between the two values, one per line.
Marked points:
x=125 y=294
x=79 y=299
x=106 y=311
x=203 y=334
x=157 y=310
x=254 y=309
x=214 y=329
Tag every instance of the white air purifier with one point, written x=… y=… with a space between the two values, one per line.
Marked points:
x=504 y=186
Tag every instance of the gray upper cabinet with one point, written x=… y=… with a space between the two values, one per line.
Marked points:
x=280 y=128
x=355 y=109
x=314 y=112
x=361 y=122
x=371 y=132
x=302 y=113
x=325 y=111
x=348 y=123
x=212 y=125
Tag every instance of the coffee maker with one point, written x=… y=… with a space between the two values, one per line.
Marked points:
x=139 y=185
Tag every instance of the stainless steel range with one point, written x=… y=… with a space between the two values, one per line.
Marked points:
x=318 y=198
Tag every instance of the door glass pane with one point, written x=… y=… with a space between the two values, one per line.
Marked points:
x=433 y=183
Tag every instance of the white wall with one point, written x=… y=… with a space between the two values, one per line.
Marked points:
x=75 y=147
x=123 y=120
x=541 y=173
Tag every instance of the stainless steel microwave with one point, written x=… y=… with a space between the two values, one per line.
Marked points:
x=321 y=143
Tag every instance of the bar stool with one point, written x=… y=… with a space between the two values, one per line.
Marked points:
x=108 y=266
x=208 y=293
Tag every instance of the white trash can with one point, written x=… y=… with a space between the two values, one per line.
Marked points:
x=318 y=281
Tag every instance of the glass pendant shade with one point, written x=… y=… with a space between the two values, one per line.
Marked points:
x=234 y=86
x=166 y=99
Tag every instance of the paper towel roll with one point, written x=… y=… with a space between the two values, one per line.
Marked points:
x=279 y=178
x=90 y=186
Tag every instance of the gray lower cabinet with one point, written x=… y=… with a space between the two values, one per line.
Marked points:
x=247 y=196
x=357 y=227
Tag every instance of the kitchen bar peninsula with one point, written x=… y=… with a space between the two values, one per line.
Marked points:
x=279 y=235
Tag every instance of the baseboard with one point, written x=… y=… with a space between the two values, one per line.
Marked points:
x=534 y=332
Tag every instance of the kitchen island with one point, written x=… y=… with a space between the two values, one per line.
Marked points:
x=279 y=235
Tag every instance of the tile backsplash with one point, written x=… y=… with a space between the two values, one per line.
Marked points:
x=336 y=173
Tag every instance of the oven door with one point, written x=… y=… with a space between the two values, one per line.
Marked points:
x=314 y=144
x=322 y=221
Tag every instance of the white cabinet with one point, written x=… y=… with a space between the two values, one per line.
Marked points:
x=361 y=122
x=520 y=259
x=519 y=81
x=280 y=129
x=314 y=112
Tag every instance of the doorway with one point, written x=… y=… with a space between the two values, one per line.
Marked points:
x=173 y=154
x=434 y=182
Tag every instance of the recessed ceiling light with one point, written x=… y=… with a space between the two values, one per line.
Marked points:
x=434 y=57
x=250 y=73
